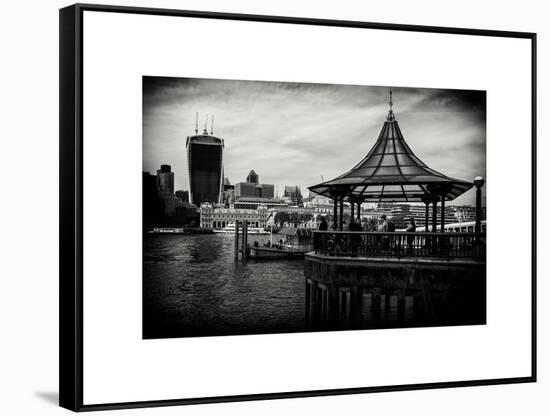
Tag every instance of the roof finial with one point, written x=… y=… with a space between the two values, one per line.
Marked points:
x=391 y=116
x=212 y=126
x=197 y=122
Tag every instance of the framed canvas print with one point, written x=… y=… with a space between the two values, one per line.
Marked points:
x=259 y=207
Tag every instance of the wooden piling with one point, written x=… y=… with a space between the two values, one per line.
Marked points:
x=245 y=239
x=236 y=240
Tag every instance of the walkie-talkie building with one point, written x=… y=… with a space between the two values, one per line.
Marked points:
x=205 y=164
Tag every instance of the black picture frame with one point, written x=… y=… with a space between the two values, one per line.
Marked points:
x=71 y=205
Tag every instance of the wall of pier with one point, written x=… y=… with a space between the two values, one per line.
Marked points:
x=347 y=293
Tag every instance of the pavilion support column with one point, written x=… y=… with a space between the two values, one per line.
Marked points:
x=352 y=209
x=335 y=214
x=442 y=213
x=341 y=222
x=427 y=220
x=359 y=212
x=434 y=215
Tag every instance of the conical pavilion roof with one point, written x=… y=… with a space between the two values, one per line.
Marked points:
x=392 y=172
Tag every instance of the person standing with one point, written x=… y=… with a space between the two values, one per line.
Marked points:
x=383 y=224
x=383 y=228
x=411 y=228
x=355 y=239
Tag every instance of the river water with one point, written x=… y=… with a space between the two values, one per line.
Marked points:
x=193 y=286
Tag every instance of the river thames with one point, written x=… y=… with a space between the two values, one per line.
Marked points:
x=193 y=286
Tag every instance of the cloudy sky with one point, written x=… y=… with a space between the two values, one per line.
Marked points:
x=296 y=133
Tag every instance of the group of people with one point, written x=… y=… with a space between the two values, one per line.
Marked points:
x=384 y=225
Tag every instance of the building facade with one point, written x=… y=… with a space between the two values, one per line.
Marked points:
x=253 y=177
x=253 y=188
x=254 y=203
x=165 y=180
x=467 y=213
x=453 y=214
x=216 y=217
x=205 y=164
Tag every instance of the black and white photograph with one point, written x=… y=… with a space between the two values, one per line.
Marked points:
x=257 y=205
x=281 y=207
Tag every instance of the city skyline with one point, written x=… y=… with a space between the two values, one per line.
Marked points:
x=278 y=128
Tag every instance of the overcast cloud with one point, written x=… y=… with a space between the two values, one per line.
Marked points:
x=296 y=133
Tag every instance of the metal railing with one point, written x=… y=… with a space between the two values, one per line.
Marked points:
x=449 y=245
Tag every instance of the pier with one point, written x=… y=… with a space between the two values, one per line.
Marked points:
x=385 y=279
x=380 y=280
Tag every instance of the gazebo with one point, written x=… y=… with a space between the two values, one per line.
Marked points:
x=391 y=172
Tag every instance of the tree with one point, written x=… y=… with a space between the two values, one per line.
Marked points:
x=294 y=219
x=281 y=218
x=305 y=217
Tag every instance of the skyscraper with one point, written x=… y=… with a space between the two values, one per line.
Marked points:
x=165 y=180
x=253 y=177
x=205 y=163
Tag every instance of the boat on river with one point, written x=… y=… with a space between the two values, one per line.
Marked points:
x=290 y=243
x=230 y=229
x=179 y=230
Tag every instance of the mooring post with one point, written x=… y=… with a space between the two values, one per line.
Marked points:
x=236 y=240
x=245 y=239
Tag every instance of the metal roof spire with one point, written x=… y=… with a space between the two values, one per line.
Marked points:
x=205 y=125
x=212 y=126
x=197 y=122
x=391 y=116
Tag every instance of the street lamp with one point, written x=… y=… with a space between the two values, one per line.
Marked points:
x=479 y=181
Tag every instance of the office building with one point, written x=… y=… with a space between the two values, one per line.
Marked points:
x=253 y=177
x=205 y=164
x=165 y=180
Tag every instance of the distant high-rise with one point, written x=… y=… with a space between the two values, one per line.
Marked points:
x=294 y=193
x=205 y=164
x=253 y=188
x=253 y=177
x=165 y=180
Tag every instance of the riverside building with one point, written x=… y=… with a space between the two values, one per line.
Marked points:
x=216 y=217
